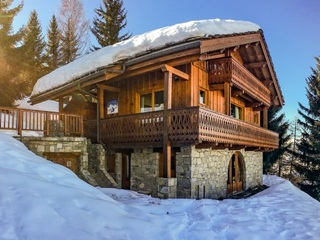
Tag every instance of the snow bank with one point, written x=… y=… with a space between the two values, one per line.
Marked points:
x=138 y=44
x=42 y=200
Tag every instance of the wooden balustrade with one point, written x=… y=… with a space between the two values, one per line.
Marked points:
x=229 y=70
x=219 y=128
x=50 y=123
x=137 y=128
x=189 y=125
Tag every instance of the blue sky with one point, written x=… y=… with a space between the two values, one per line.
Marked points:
x=291 y=29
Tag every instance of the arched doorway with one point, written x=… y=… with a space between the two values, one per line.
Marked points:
x=236 y=173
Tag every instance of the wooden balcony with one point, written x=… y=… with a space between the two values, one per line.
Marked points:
x=229 y=70
x=190 y=125
x=24 y=121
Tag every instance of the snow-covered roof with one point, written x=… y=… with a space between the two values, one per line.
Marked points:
x=138 y=44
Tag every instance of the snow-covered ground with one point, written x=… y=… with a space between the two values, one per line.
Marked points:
x=42 y=200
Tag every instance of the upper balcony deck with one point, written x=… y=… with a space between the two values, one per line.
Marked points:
x=193 y=125
x=229 y=70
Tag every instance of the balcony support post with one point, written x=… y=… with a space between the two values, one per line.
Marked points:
x=227 y=98
x=101 y=102
x=166 y=124
x=61 y=110
x=265 y=117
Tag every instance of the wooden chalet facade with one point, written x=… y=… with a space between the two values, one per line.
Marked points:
x=175 y=119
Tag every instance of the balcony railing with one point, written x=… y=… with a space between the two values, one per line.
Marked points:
x=189 y=125
x=229 y=70
x=23 y=121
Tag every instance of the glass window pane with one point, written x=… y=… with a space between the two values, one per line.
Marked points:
x=146 y=102
x=202 y=97
x=158 y=101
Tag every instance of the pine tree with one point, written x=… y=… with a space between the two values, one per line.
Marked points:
x=33 y=46
x=277 y=123
x=308 y=165
x=108 y=23
x=74 y=30
x=53 y=50
x=9 y=53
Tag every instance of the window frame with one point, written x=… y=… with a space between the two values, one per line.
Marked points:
x=153 y=93
x=205 y=99
x=241 y=112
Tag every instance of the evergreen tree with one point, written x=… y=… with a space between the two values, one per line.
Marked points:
x=33 y=46
x=53 y=50
x=308 y=165
x=108 y=23
x=9 y=54
x=74 y=30
x=277 y=123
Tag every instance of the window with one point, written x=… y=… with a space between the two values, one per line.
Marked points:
x=236 y=112
x=151 y=101
x=256 y=118
x=202 y=97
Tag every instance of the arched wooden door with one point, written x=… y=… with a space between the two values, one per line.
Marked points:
x=235 y=173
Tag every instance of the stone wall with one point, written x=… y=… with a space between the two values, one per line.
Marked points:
x=254 y=168
x=145 y=171
x=203 y=173
x=41 y=145
x=91 y=157
x=167 y=188
x=200 y=173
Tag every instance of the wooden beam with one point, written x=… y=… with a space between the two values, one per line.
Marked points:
x=212 y=145
x=260 y=64
x=175 y=71
x=237 y=93
x=258 y=109
x=114 y=71
x=208 y=56
x=108 y=88
x=253 y=104
x=214 y=87
x=228 y=42
x=267 y=82
x=173 y=60
x=236 y=147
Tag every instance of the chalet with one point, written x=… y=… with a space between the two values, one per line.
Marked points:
x=181 y=112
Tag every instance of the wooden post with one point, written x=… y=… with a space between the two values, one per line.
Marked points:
x=47 y=124
x=66 y=124
x=101 y=102
x=265 y=117
x=20 y=121
x=227 y=98
x=166 y=124
x=81 y=126
x=61 y=110
x=98 y=121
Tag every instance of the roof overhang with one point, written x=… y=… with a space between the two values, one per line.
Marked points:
x=255 y=54
x=252 y=45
